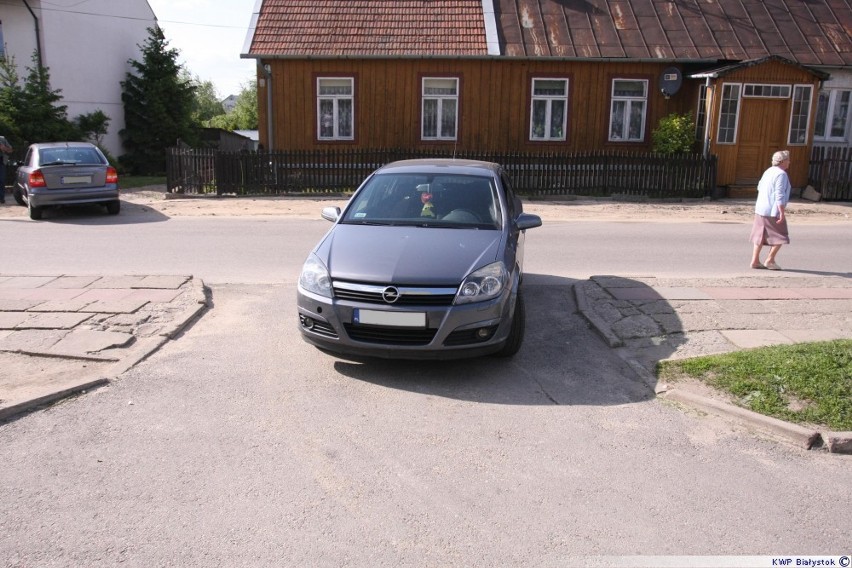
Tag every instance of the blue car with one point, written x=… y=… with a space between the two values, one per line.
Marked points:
x=424 y=262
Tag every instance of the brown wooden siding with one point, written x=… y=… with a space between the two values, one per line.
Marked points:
x=494 y=102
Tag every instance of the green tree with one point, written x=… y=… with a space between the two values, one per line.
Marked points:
x=206 y=101
x=93 y=125
x=158 y=107
x=32 y=112
x=244 y=114
x=675 y=134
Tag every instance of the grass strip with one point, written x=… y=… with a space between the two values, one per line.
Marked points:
x=806 y=383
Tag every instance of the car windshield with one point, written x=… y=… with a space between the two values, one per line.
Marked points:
x=48 y=156
x=427 y=200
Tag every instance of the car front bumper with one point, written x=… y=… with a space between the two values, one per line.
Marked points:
x=451 y=332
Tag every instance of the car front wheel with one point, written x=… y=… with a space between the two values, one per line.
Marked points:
x=516 y=333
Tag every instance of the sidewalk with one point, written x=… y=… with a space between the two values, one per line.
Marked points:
x=651 y=319
x=64 y=334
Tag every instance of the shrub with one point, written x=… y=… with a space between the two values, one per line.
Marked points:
x=675 y=134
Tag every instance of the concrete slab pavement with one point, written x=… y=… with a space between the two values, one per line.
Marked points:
x=649 y=319
x=62 y=334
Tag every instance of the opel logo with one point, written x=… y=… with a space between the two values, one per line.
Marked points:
x=390 y=294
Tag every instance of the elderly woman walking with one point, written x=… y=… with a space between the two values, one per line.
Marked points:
x=770 y=217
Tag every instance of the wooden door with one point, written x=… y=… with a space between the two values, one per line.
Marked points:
x=763 y=131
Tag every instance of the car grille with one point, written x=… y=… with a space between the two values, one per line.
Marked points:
x=408 y=296
x=390 y=335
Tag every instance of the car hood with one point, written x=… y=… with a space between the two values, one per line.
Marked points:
x=407 y=255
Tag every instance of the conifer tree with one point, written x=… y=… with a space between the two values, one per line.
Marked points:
x=158 y=106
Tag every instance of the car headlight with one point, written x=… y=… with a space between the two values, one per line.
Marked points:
x=314 y=277
x=483 y=284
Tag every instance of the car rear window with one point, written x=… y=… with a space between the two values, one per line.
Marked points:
x=69 y=156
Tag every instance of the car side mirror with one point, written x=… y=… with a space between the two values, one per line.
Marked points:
x=526 y=221
x=331 y=213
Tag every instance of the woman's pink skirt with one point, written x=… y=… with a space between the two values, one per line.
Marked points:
x=767 y=231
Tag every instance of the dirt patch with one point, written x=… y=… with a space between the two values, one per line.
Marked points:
x=697 y=210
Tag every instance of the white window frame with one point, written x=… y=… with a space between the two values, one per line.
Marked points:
x=336 y=99
x=739 y=99
x=548 y=101
x=830 y=110
x=628 y=101
x=807 y=114
x=441 y=100
x=701 y=112
x=784 y=91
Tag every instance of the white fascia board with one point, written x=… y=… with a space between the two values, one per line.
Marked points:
x=251 y=29
x=491 y=38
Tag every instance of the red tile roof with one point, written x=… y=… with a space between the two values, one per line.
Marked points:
x=338 y=28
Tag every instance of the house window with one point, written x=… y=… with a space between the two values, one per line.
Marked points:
x=440 y=109
x=549 y=110
x=729 y=113
x=800 y=114
x=627 y=115
x=701 y=113
x=766 y=91
x=335 y=108
x=2 y=43
x=832 y=117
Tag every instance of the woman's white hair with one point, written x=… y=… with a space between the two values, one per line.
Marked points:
x=780 y=156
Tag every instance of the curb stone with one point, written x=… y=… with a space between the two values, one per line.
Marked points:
x=834 y=442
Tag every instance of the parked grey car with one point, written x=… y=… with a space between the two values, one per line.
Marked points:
x=425 y=261
x=65 y=173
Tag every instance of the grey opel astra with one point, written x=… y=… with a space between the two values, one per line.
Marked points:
x=424 y=262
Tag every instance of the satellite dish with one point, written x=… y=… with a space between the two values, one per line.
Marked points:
x=670 y=81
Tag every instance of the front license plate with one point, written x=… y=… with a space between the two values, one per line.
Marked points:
x=394 y=319
x=76 y=179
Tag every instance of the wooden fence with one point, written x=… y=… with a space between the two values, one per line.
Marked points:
x=207 y=171
x=830 y=172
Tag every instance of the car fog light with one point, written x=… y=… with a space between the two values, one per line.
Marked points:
x=307 y=323
x=483 y=333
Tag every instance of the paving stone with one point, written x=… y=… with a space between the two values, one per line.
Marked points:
x=31 y=340
x=119 y=306
x=809 y=335
x=162 y=296
x=58 y=320
x=26 y=282
x=127 y=281
x=72 y=282
x=154 y=281
x=17 y=304
x=102 y=294
x=751 y=338
x=636 y=326
x=11 y=320
x=85 y=341
x=738 y=293
x=73 y=305
x=643 y=293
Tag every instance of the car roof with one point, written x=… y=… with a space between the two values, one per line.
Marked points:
x=442 y=165
x=43 y=145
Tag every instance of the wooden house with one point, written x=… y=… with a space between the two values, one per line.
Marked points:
x=548 y=75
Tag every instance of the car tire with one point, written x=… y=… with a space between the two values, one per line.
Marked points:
x=19 y=197
x=113 y=207
x=35 y=212
x=516 y=333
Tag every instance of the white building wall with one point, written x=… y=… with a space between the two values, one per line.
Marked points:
x=86 y=47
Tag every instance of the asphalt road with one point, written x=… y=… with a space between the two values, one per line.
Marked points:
x=239 y=444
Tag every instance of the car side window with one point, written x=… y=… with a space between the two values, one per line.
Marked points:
x=513 y=203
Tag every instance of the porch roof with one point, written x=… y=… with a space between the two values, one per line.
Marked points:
x=717 y=72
